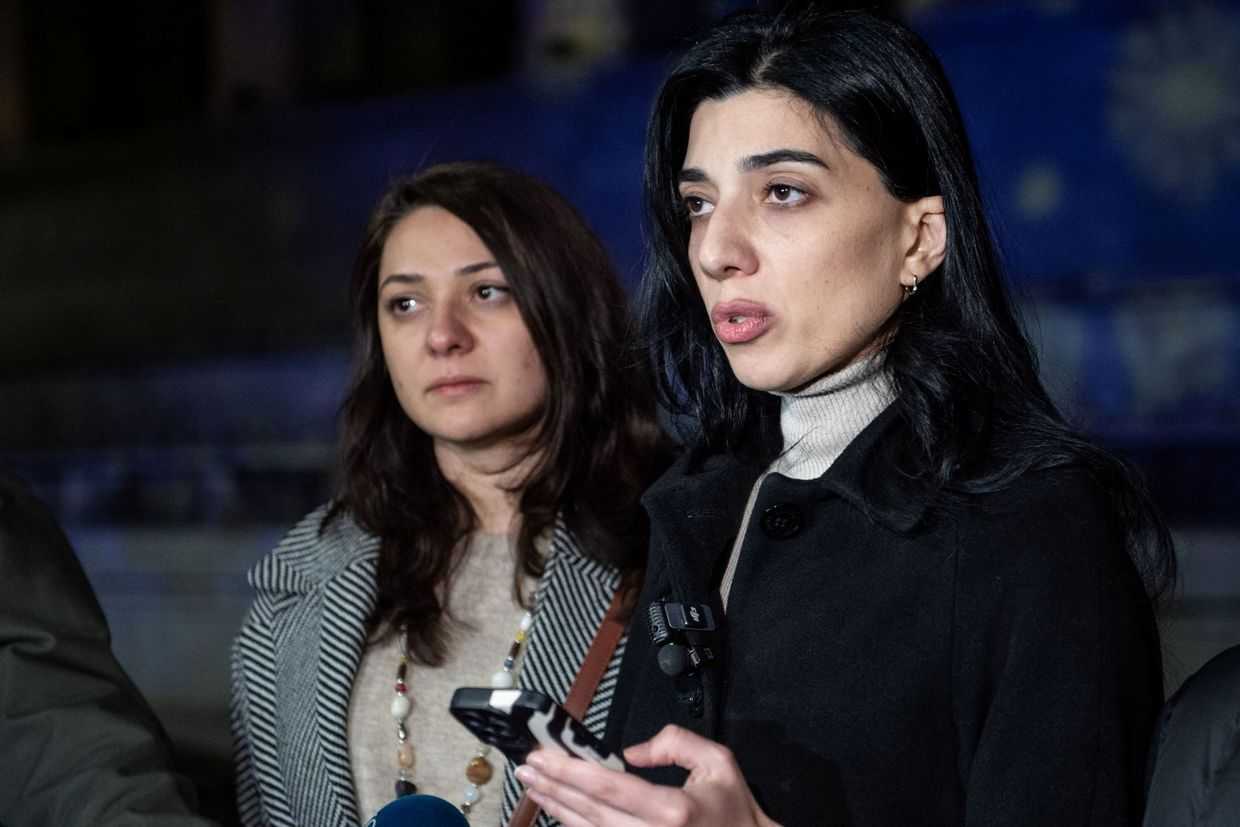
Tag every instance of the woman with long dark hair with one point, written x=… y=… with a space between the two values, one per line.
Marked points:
x=932 y=598
x=495 y=440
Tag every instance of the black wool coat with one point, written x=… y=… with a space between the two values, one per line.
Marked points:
x=886 y=659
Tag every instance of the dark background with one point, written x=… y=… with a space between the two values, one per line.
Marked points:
x=183 y=186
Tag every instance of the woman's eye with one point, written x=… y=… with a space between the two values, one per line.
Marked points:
x=785 y=194
x=492 y=292
x=403 y=306
x=696 y=205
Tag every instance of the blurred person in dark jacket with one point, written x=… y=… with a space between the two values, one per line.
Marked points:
x=80 y=744
x=1195 y=755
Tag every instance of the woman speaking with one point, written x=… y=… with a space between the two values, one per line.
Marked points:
x=931 y=598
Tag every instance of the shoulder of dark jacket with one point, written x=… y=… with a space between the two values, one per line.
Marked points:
x=1197 y=743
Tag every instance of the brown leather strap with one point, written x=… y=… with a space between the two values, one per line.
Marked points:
x=582 y=691
x=525 y=813
x=597 y=659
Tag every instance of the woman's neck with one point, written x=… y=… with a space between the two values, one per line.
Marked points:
x=491 y=479
x=820 y=420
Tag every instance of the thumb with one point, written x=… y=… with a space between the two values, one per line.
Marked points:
x=676 y=745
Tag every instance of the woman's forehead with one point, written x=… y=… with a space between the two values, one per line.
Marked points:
x=759 y=121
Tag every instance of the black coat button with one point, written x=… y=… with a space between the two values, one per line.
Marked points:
x=782 y=521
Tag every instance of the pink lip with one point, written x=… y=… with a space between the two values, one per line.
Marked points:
x=455 y=385
x=740 y=321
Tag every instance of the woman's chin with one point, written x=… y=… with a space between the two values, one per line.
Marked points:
x=768 y=381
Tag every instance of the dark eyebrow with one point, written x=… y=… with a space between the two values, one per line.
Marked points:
x=470 y=269
x=401 y=278
x=414 y=278
x=751 y=163
x=777 y=156
x=691 y=175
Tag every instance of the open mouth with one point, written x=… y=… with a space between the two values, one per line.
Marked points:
x=737 y=322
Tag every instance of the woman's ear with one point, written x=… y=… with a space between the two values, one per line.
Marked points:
x=929 y=247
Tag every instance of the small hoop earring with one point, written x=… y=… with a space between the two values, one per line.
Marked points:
x=910 y=289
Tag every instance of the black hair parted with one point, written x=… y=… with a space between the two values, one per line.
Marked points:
x=965 y=373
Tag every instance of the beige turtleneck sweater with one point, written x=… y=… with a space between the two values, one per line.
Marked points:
x=818 y=422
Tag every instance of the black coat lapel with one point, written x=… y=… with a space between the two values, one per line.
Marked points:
x=696 y=517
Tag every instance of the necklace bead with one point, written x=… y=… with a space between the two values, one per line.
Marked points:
x=400 y=707
x=478 y=771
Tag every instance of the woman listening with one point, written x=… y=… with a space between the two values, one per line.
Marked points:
x=496 y=438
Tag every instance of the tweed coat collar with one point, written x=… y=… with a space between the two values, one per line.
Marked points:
x=300 y=650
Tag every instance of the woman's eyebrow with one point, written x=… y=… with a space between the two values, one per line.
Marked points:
x=402 y=278
x=692 y=175
x=417 y=278
x=470 y=269
x=751 y=163
x=755 y=162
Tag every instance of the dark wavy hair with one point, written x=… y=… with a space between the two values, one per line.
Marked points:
x=966 y=375
x=597 y=438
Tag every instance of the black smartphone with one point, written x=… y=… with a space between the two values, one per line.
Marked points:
x=516 y=720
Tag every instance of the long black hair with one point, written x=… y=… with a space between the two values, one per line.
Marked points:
x=966 y=375
x=597 y=438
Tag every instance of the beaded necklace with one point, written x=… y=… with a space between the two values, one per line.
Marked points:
x=478 y=771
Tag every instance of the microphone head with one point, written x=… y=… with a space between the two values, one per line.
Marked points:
x=419 y=810
x=672 y=659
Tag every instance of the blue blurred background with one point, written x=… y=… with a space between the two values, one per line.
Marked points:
x=183 y=186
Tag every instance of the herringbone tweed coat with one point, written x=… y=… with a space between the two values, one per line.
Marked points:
x=295 y=658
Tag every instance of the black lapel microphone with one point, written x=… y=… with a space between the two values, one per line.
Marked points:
x=419 y=811
x=681 y=634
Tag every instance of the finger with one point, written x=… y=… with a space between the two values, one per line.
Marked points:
x=558 y=810
x=572 y=806
x=591 y=778
x=677 y=745
x=623 y=793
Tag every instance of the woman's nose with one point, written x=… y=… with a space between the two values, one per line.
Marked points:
x=448 y=331
x=723 y=246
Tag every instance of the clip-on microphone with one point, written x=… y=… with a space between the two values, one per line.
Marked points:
x=680 y=633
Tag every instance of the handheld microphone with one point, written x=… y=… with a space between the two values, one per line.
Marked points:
x=419 y=811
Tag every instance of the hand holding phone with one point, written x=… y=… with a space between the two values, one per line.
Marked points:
x=517 y=720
